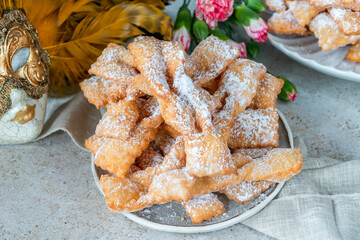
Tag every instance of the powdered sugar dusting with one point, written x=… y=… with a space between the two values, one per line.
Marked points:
x=276 y=5
x=347 y=20
x=285 y=23
x=303 y=12
x=267 y=92
x=255 y=128
x=203 y=207
x=200 y=161
x=329 y=34
x=210 y=58
x=110 y=64
x=245 y=191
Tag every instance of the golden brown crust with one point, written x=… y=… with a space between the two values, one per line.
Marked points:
x=149 y=158
x=236 y=90
x=164 y=142
x=349 y=4
x=255 y=128
x=115 y=63
x=303 y=12
x=209 y=59
x=244 y=192
x=329 y=34
x=354 y=53
x=276 y=5
x=267 y=92
x=277 y=165
x=347 y=20
x=199 y=147
x=285 y=23
x=119 y=120
x=175 y=159
x=204 y=208
x=153 y=162
x=125 y=194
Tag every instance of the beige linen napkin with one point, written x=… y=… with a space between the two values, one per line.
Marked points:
x=72 y=114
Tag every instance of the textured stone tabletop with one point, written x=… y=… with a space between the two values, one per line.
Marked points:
x=47 y=190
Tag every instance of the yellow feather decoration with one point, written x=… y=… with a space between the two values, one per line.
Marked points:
x=74 y=32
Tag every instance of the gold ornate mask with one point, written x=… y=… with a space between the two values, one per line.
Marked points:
x=17 y=34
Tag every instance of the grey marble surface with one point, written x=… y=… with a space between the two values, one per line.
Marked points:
x=47 y=190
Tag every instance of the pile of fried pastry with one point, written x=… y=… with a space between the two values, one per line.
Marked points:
x=334 y=23
x=179 y=128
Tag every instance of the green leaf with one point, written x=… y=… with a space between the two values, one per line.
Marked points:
x=256 y=5
x=243 y=15
x=200 y=29
x=220 y=34
x=253 y=49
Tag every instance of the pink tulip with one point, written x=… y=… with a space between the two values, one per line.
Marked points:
x=241 y=46
x=214 y=11
x=257 y=30
x=183 y=36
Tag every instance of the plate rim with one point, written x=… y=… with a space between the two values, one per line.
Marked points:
x=328 y=70
x=200 y=228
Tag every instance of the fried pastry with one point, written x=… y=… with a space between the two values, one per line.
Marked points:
x=170 y=130
x=277 y=165
x=123 y=194
x=209 y=59
x=354 y=53
x=276 y=5
x=244 y=192
x=168 y=126
x=303 y=12
x=150 y=60
x=207 y=140
x=115 y=63
x=119 y=120
x=208 y=155
x=204 y=207
x=267 y=92
x=329 y=34
x=117 y=155
x=164 y=142
x=175 y=159
x=174 y=185
x=349 y=4
x=243 y=156
x=94 y=143
x=347 y=20
x=237 y=88
x=285 y=23
x=100 y=92
x=251 y=152
x=149 y=112
x=147 y=52
x=119 y=200
x=148 y=158
x=255 y=128
x=116 y=91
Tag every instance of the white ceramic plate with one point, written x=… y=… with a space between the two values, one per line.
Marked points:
x=170 y=216
x=305 y=50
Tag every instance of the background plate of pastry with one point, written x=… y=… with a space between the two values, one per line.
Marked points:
x=171 y=217
x=318 y=36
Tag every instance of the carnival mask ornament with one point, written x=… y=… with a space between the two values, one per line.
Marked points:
x=24 y=79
